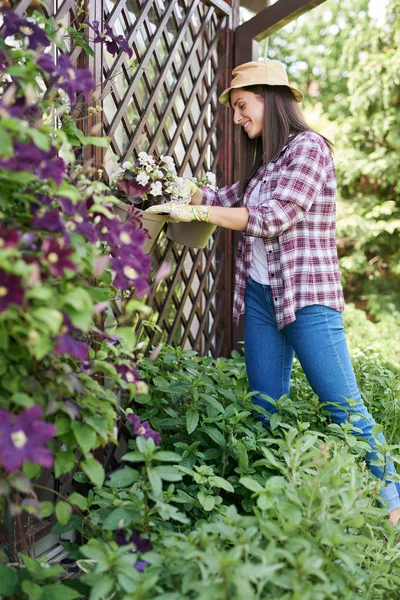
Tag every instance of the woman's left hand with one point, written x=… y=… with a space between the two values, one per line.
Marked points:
x=394 y=516
x=182 y=212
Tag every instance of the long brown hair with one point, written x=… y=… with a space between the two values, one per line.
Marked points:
x=282 y=117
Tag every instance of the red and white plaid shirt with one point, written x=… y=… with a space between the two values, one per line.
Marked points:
x=296 y=217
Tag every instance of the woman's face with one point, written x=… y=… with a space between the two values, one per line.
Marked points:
x=248 y=111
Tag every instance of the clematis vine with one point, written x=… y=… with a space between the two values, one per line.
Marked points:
x=113 y=42
x=24 y=438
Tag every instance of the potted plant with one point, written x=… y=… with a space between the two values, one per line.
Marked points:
x=142 y=183
x=194 y=234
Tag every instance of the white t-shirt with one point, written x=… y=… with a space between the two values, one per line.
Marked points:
x=258 y=269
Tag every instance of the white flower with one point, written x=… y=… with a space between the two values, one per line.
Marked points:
x=142 y=178
x=145 y=158
x=211 y=178
x=158 y=173
x=115 y=175
x=169 y=161
x=156 y=188
x=127 y=164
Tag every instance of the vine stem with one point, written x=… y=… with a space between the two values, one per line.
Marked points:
x=24 y=547
x=44 y=487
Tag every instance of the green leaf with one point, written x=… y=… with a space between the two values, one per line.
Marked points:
x=123 y=477
x=133 y=457
x=215 y=435
x=63 y=512
x=40 y=139
x=46 y=509
x=59 y=591
x=169 y=473
x=6 y=144
x=222 y=483
x=51 y=317
x=74 y=523
x=84 y=435
x=102 y=142
x=8 y=581
x=192 y=420
x=64 y=462
x=79 y=305
x=102 y=588
x=251 y=484
x=78 y=500
x=155 y=482
x=213 y=402
x=20 y=482
x=167 y=456
x=94 y=470
x=128 y=337
x=33 y=591
x=120 y=517
x=22 y=400
x=31 y=470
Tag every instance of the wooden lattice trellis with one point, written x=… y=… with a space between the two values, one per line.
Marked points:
x=164 y=100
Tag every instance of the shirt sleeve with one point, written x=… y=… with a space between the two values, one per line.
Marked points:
x=226 y=196
x=299 y=184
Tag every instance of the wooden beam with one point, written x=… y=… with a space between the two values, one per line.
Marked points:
x=273 y=18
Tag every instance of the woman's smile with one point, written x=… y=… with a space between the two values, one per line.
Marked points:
x=243 y=103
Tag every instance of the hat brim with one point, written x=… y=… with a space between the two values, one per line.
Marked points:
x=225 y=96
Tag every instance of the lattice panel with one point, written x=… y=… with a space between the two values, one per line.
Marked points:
x=164 y=100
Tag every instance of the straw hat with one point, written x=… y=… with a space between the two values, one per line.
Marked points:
x=256 y=72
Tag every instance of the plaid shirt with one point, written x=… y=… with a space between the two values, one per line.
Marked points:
x=296 y=217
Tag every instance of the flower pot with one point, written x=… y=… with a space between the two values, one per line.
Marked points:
x=151 y=223
x=194 y=234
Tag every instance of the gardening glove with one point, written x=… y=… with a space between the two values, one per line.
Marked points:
x=182 y=212
x=183 y=192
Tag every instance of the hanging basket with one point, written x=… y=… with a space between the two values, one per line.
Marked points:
x=194 y=234
x=153 y=224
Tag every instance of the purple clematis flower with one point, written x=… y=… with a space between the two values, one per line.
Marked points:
x=49 y=220
x=74 y=80
x=143 y=429
x=11 y=290
x=67 y=344
x=140 y=544
x=79 y=222
x=9 y=238
x=113 y=42
x=14 y=24
x=30 y=157
x=130 y=272
x=107 y=229
x=128 y=373
x=57 y=257
x=129 y=240
x=24 y=439
x=66 y=77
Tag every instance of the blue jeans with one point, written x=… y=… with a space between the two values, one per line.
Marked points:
x=318 y=338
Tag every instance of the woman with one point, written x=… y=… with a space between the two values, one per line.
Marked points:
x=287 y=271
